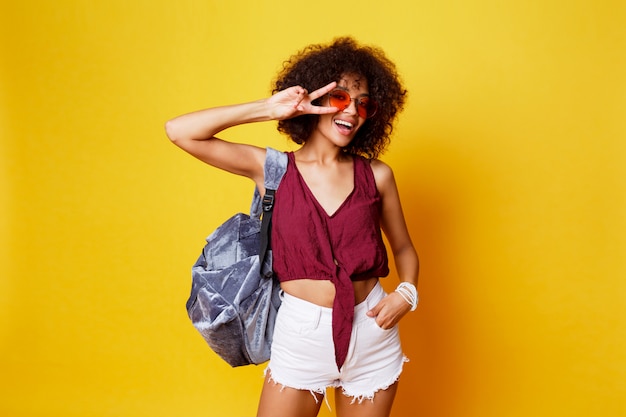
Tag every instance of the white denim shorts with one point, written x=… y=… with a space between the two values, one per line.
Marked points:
x=303 y=356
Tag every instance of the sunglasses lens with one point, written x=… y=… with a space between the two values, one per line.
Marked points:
x=366 y=107
x=339 y=99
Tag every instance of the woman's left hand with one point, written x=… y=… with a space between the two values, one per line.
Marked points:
x=389 y=310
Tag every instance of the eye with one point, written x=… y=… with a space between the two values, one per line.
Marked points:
x=339 y=96
x=367 y=107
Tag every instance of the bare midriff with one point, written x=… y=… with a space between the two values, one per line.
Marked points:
x=322 y=292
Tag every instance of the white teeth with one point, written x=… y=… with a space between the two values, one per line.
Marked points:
x=344 y=123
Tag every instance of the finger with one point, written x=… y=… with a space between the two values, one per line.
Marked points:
x=300 y=99
x=374 y=311
x=297 y=89
x=321 y=91
x=320 y=109
x=382 y=323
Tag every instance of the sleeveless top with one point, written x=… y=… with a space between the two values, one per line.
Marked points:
x=342 y=247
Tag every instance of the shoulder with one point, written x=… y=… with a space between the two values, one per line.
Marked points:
x=384 y=178
x=383 y=174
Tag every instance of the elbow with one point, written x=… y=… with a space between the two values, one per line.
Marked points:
x=178 y=131
x=172 y=131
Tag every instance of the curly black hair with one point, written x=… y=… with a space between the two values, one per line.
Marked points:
x=317 y=65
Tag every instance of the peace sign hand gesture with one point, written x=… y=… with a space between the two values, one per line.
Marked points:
x=296 y=101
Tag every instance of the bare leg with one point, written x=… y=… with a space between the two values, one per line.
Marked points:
x=287 y=402
x=379 y=407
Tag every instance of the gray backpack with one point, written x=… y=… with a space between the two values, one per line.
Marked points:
x=234 y=295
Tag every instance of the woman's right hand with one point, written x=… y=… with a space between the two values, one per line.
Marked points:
x=296 y=101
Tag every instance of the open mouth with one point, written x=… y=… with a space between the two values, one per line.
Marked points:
x=344 y=126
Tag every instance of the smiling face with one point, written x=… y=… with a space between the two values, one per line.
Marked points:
x=341 y=127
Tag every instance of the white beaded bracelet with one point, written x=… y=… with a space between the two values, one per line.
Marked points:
x=409 y=293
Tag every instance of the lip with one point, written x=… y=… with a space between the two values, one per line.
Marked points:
x=344 y=129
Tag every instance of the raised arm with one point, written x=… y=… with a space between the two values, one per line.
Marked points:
x=195 y=132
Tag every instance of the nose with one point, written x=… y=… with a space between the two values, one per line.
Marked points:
x=351 y=109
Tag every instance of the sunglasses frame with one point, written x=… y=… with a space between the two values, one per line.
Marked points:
x=360 y=106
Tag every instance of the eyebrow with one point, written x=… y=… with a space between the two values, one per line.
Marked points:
x=347 y=90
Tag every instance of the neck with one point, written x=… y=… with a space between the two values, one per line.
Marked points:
x=321 y=151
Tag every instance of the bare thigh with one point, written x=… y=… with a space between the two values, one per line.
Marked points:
x=277 y=400
x=379 y=407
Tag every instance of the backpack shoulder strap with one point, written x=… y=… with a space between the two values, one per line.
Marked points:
x=274 y=169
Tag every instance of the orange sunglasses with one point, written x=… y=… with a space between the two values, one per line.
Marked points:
x=365 y=106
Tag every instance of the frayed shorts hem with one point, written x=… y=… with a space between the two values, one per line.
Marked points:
x=357 y=397
x=313 y=390
x=360 y=397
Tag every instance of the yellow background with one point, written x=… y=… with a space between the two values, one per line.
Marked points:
x=510 y=157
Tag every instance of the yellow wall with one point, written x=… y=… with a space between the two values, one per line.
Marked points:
x=511 y=158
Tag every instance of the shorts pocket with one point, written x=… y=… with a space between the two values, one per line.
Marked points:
x=382 y=333
x=296 y=323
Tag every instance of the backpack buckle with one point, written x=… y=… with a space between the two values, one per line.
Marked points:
x=268 y=202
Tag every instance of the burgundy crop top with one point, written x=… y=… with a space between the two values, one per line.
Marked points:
x=343 y=247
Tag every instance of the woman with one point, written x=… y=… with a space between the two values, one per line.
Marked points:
x=336 y=327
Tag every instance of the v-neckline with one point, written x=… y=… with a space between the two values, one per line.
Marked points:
x=314 y=198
